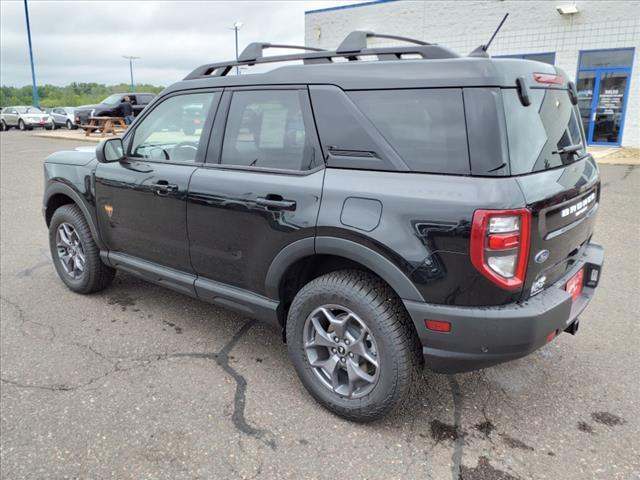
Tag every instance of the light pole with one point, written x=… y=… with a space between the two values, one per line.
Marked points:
x=131 y=59
x=36 y=101
x=237 y=26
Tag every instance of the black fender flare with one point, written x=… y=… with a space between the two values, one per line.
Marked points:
x=374 y=261
x=64 y=189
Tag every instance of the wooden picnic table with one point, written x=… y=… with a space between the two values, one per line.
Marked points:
x=112 y=125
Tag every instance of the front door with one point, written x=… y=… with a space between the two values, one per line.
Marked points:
x=141 y=201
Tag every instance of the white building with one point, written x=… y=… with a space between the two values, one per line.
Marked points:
x=595 y=42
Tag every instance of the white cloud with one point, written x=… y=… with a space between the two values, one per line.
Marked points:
x=84 y=41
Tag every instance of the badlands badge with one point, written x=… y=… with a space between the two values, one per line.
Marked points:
x=109 y=209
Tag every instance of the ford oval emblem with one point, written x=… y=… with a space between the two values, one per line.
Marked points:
x=541 y=256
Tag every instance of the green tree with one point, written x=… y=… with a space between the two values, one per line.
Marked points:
x=73 y=95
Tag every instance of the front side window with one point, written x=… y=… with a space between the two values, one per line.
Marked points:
x=426 y=127
x=172 y=131
x=266 y=129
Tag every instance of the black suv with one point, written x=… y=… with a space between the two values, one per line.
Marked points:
x=109 y=106
x=383 y=207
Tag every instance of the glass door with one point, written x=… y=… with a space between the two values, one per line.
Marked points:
x=586 y=86
x=607 y=113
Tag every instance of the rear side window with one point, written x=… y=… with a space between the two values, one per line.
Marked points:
x=538 y=134
x=267 y=129
x=426 y=127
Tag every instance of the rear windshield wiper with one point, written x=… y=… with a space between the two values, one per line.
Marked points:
x=569 y=149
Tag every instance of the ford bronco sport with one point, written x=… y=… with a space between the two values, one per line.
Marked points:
x=384 y=208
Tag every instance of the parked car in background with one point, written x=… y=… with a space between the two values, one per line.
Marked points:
x=24 y=118
x=109 y=106
x=63 y=117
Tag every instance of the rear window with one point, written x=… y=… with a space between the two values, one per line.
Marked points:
x=426 y=127
x=538 y=133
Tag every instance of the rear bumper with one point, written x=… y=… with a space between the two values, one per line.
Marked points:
x=484 y=336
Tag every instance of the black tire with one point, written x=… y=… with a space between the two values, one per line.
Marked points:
x=21 y=126
x=3 y=126
x=96 y=275
x=398 y=350
x=69 y=125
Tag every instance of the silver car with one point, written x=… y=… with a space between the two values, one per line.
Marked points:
x=24 y=118
x=63 y=117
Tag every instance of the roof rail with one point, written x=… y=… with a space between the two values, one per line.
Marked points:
x=353 y=47
x=357 y=41
x=254 y=51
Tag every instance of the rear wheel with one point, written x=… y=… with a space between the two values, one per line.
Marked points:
x=353 y=344
x=3 y=126
x=75 y=254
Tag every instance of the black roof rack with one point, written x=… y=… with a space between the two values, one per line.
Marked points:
x=254 y=51
x=357 y=41
x=353 y=47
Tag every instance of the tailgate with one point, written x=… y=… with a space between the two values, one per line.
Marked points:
x=563 y=204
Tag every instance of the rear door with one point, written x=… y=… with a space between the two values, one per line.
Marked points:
x=260 y=188
x=559 y=180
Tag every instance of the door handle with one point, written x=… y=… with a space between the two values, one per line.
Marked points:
x=163 y=187
x=276 y=202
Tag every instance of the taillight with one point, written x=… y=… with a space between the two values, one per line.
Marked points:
x=500 y=245
x=548 y=78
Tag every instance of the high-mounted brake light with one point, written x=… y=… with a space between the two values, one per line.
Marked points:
x=500 y=245
x=548 y=78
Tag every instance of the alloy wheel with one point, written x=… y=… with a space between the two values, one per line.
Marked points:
x=70 y=251
x=341 y=351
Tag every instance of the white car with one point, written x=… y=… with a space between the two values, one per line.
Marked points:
x=24 y=118
x=63 y=117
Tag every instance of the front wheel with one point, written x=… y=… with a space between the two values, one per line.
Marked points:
x=69 y=125
x=353 y=344
x=21 y=126
x=75 y=254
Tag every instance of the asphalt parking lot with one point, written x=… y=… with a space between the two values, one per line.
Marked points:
x=140 y=382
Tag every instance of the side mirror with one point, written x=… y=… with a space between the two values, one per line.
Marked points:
x=110 y=150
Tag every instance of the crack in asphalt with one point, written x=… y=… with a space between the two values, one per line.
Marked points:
x=239 y=399
x=221 y=358
x=456 y=456
x=23 y=320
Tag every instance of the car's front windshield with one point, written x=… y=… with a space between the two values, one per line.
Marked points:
x=112 y=99
x=34 y=110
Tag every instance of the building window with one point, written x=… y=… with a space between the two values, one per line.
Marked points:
x=545 y=57
x=606 y=58
x=603 y=90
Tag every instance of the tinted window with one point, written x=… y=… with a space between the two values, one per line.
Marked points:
x=267 y=129
x=606 y=58
x=538 y=132
x=173 y=129
x=144 y=99
x=426 y=127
